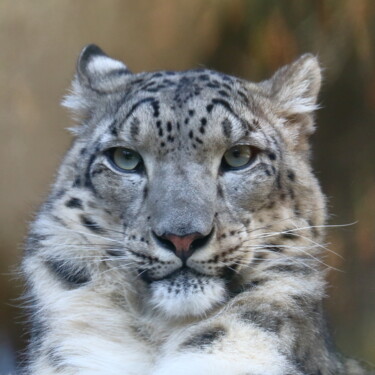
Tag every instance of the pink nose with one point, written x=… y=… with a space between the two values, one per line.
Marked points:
x=182 y=245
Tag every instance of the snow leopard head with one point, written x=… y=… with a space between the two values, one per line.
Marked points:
x=182 y=187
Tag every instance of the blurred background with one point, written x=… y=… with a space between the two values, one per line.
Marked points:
x=39 y=44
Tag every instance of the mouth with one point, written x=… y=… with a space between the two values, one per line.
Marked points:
x=227 y=274
x=183 y=271
x=186 y=292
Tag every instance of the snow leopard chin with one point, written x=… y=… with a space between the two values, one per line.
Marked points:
x=187 y=294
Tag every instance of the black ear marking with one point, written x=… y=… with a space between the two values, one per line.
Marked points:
x=86 y=55
x=99 y=72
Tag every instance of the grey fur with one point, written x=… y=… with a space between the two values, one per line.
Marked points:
x=109 y=294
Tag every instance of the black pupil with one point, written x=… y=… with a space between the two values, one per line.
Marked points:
x=128 y=155
x=236 y=153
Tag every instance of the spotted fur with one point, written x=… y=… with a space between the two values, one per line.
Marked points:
x=111 y=290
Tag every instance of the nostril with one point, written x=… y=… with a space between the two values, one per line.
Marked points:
x=183 y=246
x=164 y=242
x=201 y=241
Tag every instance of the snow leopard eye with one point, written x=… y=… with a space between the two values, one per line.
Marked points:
x=124 y=159
x=237 y=157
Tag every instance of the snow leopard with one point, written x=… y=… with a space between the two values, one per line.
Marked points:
x=184 y=232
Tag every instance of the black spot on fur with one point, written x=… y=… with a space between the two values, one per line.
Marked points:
x=227 y=86
x=272 y=247
x=278 y=181
x=264 y=320
x=204 y=77
x=71 y=274
x=227 y=128
x=169 y=126
x=223 y=93
x=271 y=156
x=291 y=175
x=289 y=235
x=209 y=108
x=213 y=85
x=205 y=339
x=90 y=224
x=156 y=106
x=134 y=128
x=252 y=284
x=198 y=140
x=243 y=96
x=246 y=125
x=114 y=252
x=74 y=203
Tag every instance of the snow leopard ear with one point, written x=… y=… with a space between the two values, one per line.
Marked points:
x=294 y=88
x=97 y=74
x=100 y=72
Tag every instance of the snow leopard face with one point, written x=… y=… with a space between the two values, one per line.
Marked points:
x=181 y=186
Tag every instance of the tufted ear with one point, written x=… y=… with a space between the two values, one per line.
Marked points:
x=96 y=74
x=294 y=89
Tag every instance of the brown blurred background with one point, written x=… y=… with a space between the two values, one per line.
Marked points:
x=39 y=44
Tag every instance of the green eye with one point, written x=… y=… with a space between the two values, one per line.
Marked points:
x=238 y=156
x=125 y=159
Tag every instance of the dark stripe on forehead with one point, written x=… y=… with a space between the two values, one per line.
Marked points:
x=223 y=103
x=136 y=105
x=227 y=128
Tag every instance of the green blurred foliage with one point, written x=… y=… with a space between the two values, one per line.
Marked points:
x=40 y=41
